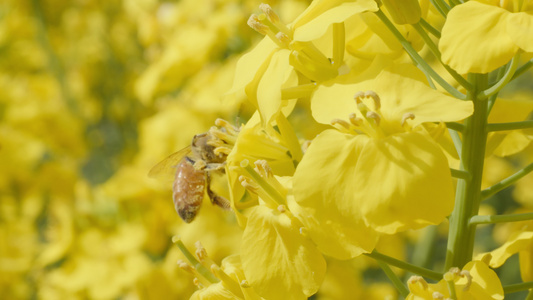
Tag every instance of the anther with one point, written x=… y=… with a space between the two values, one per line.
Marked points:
x=407 y=116
x=201 y=253
x=269 y=12
x=282 y=208
x=225 y=124
x=197 y=283
x=185 y=266
x=437 y=296
x=244 y=163
x=222 y=151
x=200 y=165
x=354 y=119
x=375 y=97
x=263 y=169
x=244 y=283
x=468 y=279
x=418 y=279
x=247 y=183
x=282 y=37
x=358 y=96
x=340 y=122
x=256 y=25
x=304 y=232
x=373 y=115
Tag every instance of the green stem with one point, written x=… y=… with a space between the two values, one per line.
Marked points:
x=404 y=265
x=425 y=246
x=456 y=142
x=460 y=174
x=530 y=295
x=454 y=3
x=510 y=126
x=522 y=69
x=422 y=64
x=455 y=126
x=475 y=220
x=468 y=195
x=488 y=192
x=503 y=81
x=434 y=31
x=441 y=7
x=513 y=288
x=398 y=284
x=271 y=191
x=194 y=262
x=435 y=50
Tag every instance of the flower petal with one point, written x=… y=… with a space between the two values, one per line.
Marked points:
x=324 y=189
x=403 y=182
x=278 y=72
x=475 y=38
x=315 y=20
x=278 y=261
x=520 y=29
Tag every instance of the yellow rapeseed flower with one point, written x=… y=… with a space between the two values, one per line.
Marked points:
x=478 y=37
x=378 y=168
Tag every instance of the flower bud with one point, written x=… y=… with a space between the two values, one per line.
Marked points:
x=403 y=11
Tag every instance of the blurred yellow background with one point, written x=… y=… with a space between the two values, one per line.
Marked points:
x=92 y=95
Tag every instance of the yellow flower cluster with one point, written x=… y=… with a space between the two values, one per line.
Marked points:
x=332 y=149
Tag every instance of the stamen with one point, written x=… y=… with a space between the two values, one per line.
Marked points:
x=340 y=122
x=219 y=137
x=222 y=151
x=256 y=25
x=358 y=96
x=304 y=232
x=248 y=184
x=306 y=144
x=269 y=12
x=375 y=97
x=231 y=284
x=407 y=116
x=354 y=119
x=197 y=283
x=200 y=165
x=185 y=266
x=233 y=130
x=201 y=253
x=468 y=279
x=437 y=296
x=449 y=278
x=374 y=115
x=283 y=38
x=244 y=283
x=418 y=279
x=263 y=169
x=282 y=208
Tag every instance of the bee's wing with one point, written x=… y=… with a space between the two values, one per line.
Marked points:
x=166 y=169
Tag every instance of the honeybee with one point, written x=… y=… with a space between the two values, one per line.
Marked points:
x=191 y=167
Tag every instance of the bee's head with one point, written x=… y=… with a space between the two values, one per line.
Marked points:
x=204 y=150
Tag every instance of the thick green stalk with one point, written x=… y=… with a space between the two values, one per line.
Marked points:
x=468 y=194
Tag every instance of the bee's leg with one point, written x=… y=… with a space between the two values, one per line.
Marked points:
x=216 y=199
